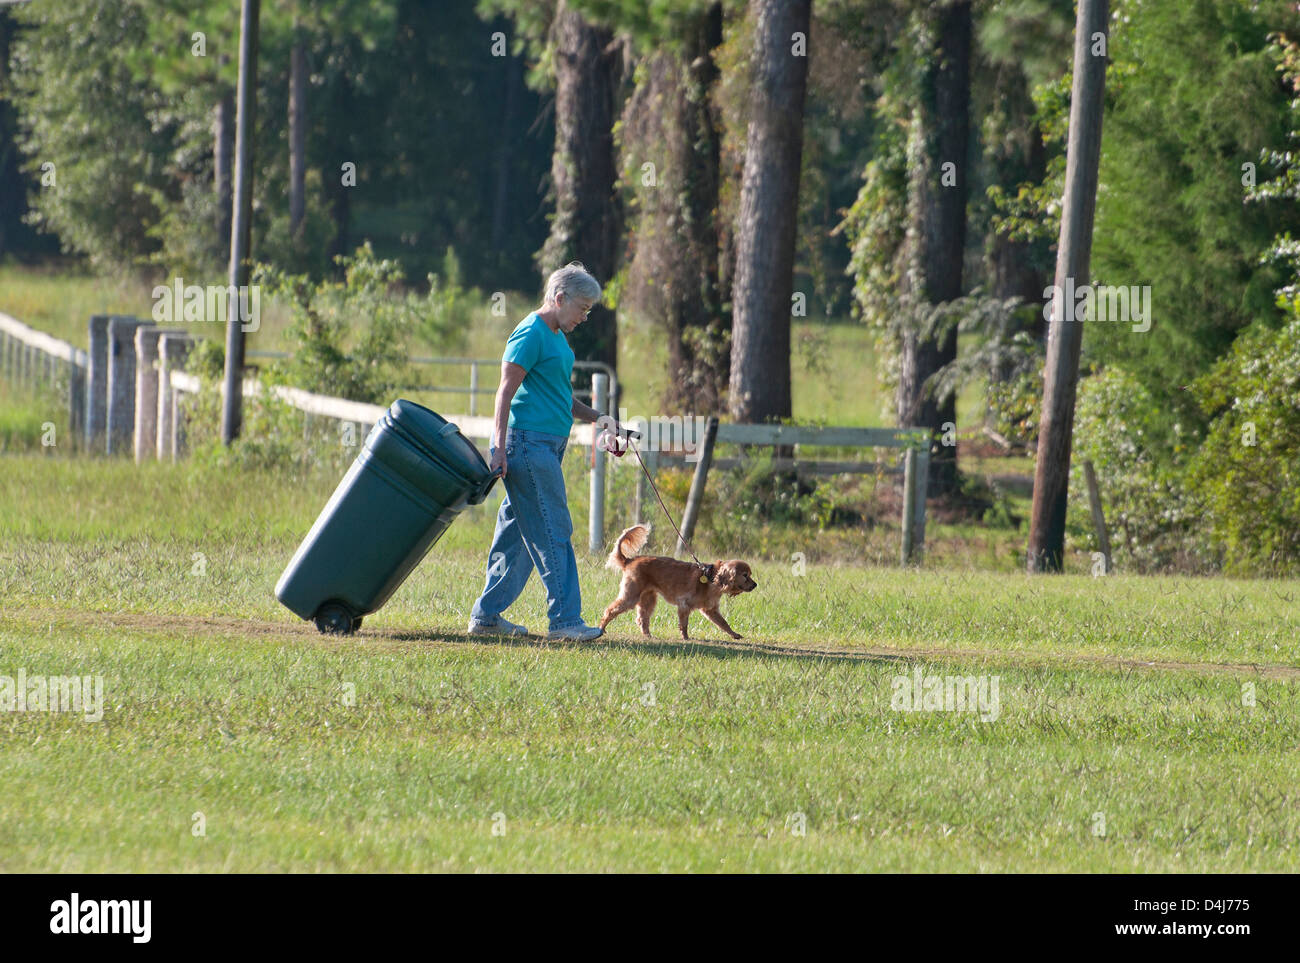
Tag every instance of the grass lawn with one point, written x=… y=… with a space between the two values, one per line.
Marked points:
x=1143 y=724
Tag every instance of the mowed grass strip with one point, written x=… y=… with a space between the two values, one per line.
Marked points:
x=185 y=540
x=334 y=756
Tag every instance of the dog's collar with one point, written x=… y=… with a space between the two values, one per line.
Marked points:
x=710 y=571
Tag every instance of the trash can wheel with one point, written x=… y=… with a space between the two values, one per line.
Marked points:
x=334 y=618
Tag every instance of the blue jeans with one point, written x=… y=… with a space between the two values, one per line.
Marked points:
x=533 y=530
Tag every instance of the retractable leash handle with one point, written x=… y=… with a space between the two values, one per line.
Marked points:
x=615 y=442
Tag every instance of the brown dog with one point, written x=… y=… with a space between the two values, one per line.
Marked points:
x=687 y=585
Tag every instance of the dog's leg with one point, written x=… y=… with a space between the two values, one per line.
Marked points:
x=627 y=598
x=716 y=618
x=646 y=608
x=683 y=613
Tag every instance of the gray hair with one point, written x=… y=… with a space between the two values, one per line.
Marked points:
x=572 y=281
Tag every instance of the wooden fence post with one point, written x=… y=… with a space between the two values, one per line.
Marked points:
x=96 y=381
x=696 y=496
x=916 y=478
x=76 y=400
x=922 y=487
x=172 y=351
x=146 y=391
x=909 y=505
x=1098 y=516
x=119 y=428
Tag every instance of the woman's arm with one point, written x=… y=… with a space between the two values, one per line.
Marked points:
x=585 y=412
x=512 y=376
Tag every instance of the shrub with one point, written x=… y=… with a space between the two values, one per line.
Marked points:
x=443 y=319
x=1140 y=455
x=1247 y=472
x=348 y=339
x=273 y=434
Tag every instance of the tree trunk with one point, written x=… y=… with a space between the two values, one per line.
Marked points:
x=670 y=121
x=1073 y=253
x=765 y=228
x=340 y=195
x=513 y=79
x=297 y=134
x=938 y=189
x=1017 y=269
x=223 y=153
x=587 y=226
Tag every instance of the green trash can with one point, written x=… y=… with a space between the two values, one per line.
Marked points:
x=416 y=472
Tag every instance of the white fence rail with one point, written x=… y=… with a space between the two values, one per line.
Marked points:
x=30 y=358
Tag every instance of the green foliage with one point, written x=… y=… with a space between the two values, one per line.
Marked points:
x=350 y=338
x=876 y=225
x=207 y=360
x=273 y=434
x=1247 y=472
x=1015 y=402
x=186 y=236
x=114 y=96
x=1033 y=211
x=1193 y=95
x=307 y=252
x=1034 y=36
x=82 y=111
x=448 y=311
x=531 y=20
x=1139 y=454
x=759 y=493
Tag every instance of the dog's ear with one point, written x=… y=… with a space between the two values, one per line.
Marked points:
x=724 y=572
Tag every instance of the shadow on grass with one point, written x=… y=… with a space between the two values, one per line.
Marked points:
x=662 y=648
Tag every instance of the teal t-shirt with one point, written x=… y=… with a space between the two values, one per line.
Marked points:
x=544 y=402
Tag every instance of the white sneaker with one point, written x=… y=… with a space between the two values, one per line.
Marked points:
x=579 y=633
x=499 y=627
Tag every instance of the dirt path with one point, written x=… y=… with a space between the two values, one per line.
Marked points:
x=397 y=639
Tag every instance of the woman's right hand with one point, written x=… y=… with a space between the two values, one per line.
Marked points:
x=498 y=461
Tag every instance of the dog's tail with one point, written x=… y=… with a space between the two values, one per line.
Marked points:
x=629 y=543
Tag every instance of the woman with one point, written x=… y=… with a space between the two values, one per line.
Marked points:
x=534 y=412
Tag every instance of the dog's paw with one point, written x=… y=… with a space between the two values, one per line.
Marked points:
x=736 y=635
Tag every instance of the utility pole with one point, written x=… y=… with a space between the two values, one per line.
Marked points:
x=1074 y=250
x=241 y=223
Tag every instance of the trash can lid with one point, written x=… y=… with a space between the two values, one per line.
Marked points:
x=437 y=436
